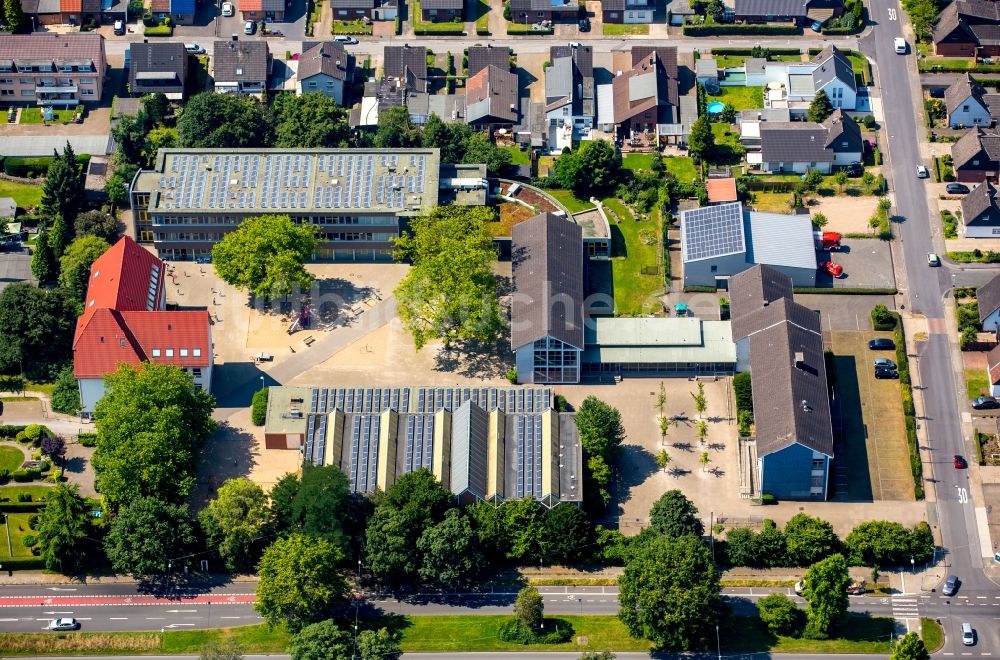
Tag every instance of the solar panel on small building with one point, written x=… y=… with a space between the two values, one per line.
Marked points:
x=712 y=231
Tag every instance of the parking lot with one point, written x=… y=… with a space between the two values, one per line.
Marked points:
x=867 y=264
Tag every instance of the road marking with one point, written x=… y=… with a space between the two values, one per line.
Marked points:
x=892 y=14
x=981 y=597
x=83 y=618
x=229 y=617
x=947 y=654
x=155 y=618
x=118 y=618
x=5 y=620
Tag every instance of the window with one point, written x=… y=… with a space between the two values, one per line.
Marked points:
x=87 y=92
x=6 y=68
x=312 y=83
x=196 y=352
x=170 y=352
x=818 y=463
x=715 y=269
x=6 y=92
x=184 y=352
x=196 y=372
x=975 y=162
x=342 y=12
x=844 y=144
x=6 y=81
x=27 y=92
x=156 y=352
x=965 y=108
x=27 y=81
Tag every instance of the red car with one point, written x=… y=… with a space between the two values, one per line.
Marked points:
x=960 y=463
x=835 y=270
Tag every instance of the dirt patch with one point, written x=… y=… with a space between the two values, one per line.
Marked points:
x=847 y=215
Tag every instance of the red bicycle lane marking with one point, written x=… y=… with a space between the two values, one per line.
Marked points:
x=85 y=601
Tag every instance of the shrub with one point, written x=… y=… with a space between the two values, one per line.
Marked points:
x=258 y=412
x=30 y=540
x=743 y=388
x=33 y=432
x=21 y=437
x=768 y=498
x=512 y=376
x=882 y=318
x=732 y=28
x=33 y=520
x=780 y=614
x=968 y=339
x=21 y=476
x=24 y=497
x=87 y=439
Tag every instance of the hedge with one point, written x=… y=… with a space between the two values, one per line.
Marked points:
x=10 y=431
x=717 y=30
x=698 y=288
x=22 y=507
x=258 y=413
x=909 y=412
x=885 y=325
x=743 y=389
x=951 y=66
x=666 y=249
x=87 y=439
x=976 y=256
x=35 y=563
x=750 y=51
x=158 y=31
x=30 y=168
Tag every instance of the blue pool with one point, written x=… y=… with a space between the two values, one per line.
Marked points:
x=715 y=107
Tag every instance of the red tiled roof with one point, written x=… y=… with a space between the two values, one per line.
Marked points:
x=721 y=190
x=70 y=6
x=251 y=5
x=160 y=6
x=120 y=279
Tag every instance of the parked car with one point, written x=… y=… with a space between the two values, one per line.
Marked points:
x=885 y=363
x=968 y=634
x=882 y=344
x=951 y=585
x=899 y=45
x=855 y=169
x=922 y=172
x=584 y=25
x=800 y=587
x=119 y=27
x=63 y=624
x=957 y=188
x=884 y=373
x=816 y=27
x=835 y=270
x=857 y=588
x=984 y=403
x=933 y=259
x=194 y=49
x=959 y=462
x=250 y=27
x=345 y=39
x=228 y=9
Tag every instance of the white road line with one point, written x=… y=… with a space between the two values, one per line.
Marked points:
x=947 y=654
x=982 y=597
x=5 y=620
x=155 y=618
x=118 y=618
x=229 y=617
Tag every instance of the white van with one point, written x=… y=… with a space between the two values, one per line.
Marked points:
x=968 y=634
x=899 y=43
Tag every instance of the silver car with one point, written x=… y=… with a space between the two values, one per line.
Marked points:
x=922 y=172
x=63 y=624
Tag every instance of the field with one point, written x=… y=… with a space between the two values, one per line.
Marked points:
x=25 y=195
x=635 y=262
x=741 y=98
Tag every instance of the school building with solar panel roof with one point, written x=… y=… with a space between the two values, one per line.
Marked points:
x=483 y=443
x=359 y=199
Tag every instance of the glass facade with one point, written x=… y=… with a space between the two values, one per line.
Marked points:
x=555 y=362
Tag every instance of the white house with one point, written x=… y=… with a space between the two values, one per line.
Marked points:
x=570 y=95
x=968 y=104
x=988 y=297
x=980 y=212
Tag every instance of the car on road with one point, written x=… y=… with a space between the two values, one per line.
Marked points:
x=194 y=49
x=249 y=27
x=228 y=9
x=119 y=27
x=922 y=172
x=834 y=270
x=885 y=363
x=882 y=344
x=884 y=373
x=984 y=403
x=951 y=585
x=857 y=588
x=933 y=259
x=63 y=624
x=345 y=39
x=959 y=462
x=584 y=25
x=968 y=634
x=800 y=586
x=957 y=189
x=899 y=45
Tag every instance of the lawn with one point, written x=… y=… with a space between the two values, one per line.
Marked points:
x=637 y=161
x=976 y=383
x=622 y=30
x=681 y=167
x=728 y=150
x=518 y=156
x=733 y=61
x=569 y=200
x=11 y=458
x=636 y=269
x=38 y=493
x=932 y=633
x=862 y=635
x=34 y=115
x=860 y=66
x=17 y=523
x=24 y=194
x=772 y=202
x=350 y=27
x=741 y=98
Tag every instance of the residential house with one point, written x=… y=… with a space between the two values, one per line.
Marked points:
x=570 y=103
x=968 y=104
x=993 y=371
x=718 y=242
x=800 y=12
x=78 y=12
x=988 y=300
x=646 y=97
x=258 y=10
x=324 y=67
x=835 y=76
x=241 y=67
x=480 y=57
x=180 y=12
x=491 y=98
x=751 y=121
x=41 y=12
x=981 y=212
x=49 y=68
x=678 y=11
x=536 y=11
x=353 y=10
x=801 y=146
x=161 y=66
x=781 y=343
x=441 y=11
x=404 y=82
x=968 y=28
x=793 y=85
x=976 y=156
x=125 y=321
x=627 y=11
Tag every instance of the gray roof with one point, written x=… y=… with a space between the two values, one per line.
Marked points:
x=240 y=61
x=352 y=4
x=559 y=80
x=469 y=449
x=777 y=239
x=8 y=207
x=44 y=145
x=159 y=57
x=752 y=290
x=441 y=4
x=755 y=65
x=543 y=5
x=974 y=142
x=574 y=81
x=767 y=114
x=706 y=68
x=834 y=65
x=328 y=57
x=988 y=297
x=491 y=96
x=843 y=133
x=408 y=63
x=961 y=90
x=481 y=57
x=794 y=142
x=771 y=7
x=979 y=207
x=712 y=231
x=547 y=258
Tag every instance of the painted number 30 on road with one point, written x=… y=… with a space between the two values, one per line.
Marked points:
x=892 y=14
x=963 y=495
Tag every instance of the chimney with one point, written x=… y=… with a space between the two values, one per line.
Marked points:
x=145 y=41
x=805 y=406
x=800 y=360
x=236 y=37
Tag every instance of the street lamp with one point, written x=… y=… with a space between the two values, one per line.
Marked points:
x=261 y=382
x=718 y=644
x=913 y=568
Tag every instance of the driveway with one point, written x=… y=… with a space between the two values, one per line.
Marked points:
x=867 y=264
x=15 y=267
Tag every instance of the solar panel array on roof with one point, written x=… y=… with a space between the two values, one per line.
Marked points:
x=419 y=438
x=429 y=400
x=364 y=453
x=528 y=459
x=713 y=231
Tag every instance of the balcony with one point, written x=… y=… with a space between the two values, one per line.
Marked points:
x=43 y=90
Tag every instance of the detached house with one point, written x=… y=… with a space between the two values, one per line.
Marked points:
x=570 y=103
x=966 y=28
x=491 y=97
x=801 y=146
x=258 y=10
x=981 y=212
x=988 y=298
x=976 y=156
x=125 y=322
x=441 y=11
x=161 y=66
x=627 y=11
x=800 y=12
x=324 y=67
x=241 y=67
x=835 y=76
x=646 y=97
x=968 y=104
x=535 y=11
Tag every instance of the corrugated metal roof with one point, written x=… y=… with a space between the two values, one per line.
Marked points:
x=469 y=449
x=781 y=240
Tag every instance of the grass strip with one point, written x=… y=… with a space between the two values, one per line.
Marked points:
x=932 y=633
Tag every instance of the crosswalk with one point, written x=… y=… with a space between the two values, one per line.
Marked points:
x=904 y=608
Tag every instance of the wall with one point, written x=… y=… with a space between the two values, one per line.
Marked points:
x=699 y=273
x=991 y=322
x=798 y=168
x=787 y=474
x=91 y=391
x=982 y=232
x=975 y=115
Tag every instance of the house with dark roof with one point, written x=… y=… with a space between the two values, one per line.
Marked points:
x=480 y=57
x=404 y=82
x=352 y=10
x=180 y=12
x=324 y=67
x=801 y=12
x=781 y=343
x=968 y=104
x=976 y=156
x=160 y=66
x=835 y=76
x=44 y=12
x=491 y=98
x=79 y=11
x=981 y=212
x=801 y=146
x=441 y=11
x=967 y=28
x=627 y=11
x=570 y=96
x=241 y=67
x=646 y=97
x=125 y=321
x=258 y=10
x=535 y=11
x=993 y=371
x=988 y=300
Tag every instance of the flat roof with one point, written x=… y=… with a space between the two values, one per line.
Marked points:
x=253 y=181
x=800 y=84
x=779 y=239
x=286 y=409
x=658 y=341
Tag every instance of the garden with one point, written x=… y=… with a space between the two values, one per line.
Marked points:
x=741 y=98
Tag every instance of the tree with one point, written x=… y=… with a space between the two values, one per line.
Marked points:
x=378 y=645
x=886 y=543
x=235 y=522
x=741 y=549
x=599 y=168
x=396 y=129
x=820 y=107
x=312 y=120
x=450 y=555
x=157 y=108
x=36 y=330
x=566 y=532
x=298 y=581
x=53 y=446
x=146 y=535
x=62 y=529
x=663 y=459
x=479 y=149
x=813 y=179
x=841 y=179
x=116 y=188
x=701 y=142
x=780 y=614
x=225 y=649
x=529 y=608
x=158 y=138
x=44 y=266
x=74 y=266
x=728 y=110
x=825 y=592
x=700 y=403
x=524 y=521
x=809 y=539
x=701 y=429
x=664 y=423
x=819 y=221
x=99 y=224
x=319 y=505
x=66 y=392
x=600 y=427
x=669 y=593
x=910 y=647
x=321 y=641
x=62 y=196
x=770 y=545
x=150 y=424
x=266 y=255
x=488 y=526
x=449 y=137
x=868 y=179
x=675 y=515
x=223 y=121
x=130 y=136
x=705 y=459
x=567 y=169
x=12 y=14
x=450 y=292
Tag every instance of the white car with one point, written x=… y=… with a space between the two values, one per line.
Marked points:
x=922 y=172
x=249 y=27
x=933 y=259
x=63 y=624
x=228 y=9
x=345 y=39
x=194 y=49
x=899 y=44
x=968 y=634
